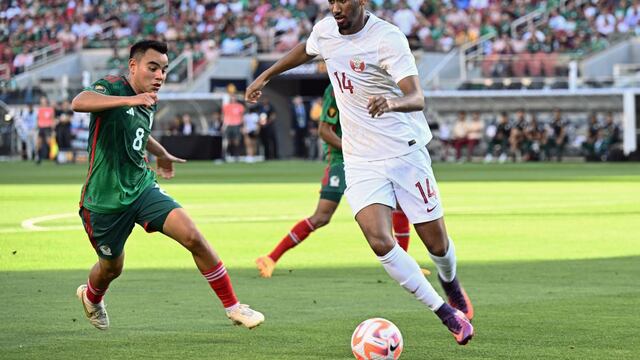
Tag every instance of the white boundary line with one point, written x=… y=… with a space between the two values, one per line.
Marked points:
x=32 y=224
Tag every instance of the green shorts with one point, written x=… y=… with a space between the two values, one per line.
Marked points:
x=333 y=183
x=109 y=232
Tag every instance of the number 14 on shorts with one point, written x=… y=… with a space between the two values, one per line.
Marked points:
x=429 y=194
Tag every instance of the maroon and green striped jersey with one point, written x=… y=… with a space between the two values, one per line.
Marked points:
x=331 y=115
x=118 y=171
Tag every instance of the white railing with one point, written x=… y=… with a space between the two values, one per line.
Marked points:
x=181 y=69
x=472 y=50
x=433 y=77
x=46 y=55
x=621 y=70
x=107 y=29
x=534 y=17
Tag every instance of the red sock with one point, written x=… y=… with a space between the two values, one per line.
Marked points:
x=221 y=283
x=94 y=295
x=299 y=232
x=401 y=228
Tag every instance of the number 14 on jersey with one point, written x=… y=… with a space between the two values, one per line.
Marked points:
x=344 y=83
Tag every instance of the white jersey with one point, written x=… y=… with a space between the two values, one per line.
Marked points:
x=368 y=63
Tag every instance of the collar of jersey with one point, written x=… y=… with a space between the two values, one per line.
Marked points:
x=126 y=81
x=362 y=31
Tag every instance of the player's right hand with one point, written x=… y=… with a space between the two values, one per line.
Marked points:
x=147 y=99
x=254 y=91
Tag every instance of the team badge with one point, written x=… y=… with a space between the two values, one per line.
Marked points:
x=332 y=112
x=357 y=64
x=105 y=250
x=99 y=88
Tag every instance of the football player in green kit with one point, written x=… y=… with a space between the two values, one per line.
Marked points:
x=121 y=190
x=333 y=186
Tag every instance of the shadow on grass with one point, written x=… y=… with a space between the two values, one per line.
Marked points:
x=572 y=309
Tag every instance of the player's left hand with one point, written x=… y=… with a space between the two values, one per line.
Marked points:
x=378 y=105
x=165 y=165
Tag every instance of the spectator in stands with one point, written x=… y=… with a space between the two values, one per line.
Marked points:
x=499 y=143
x=215 y=125
x=232 y=116
x=315 y=145
x=176 y=125
x=558 y=137
x=446 y=140
x=250 y=132
x=27 y=129
x=232 y=44
x=475 y=132
x=187 y=127
x=68 y=39
x=299 y=127
x=460 y=132
x=268 y=135
x=516 y=136
x=63 y=134
x=23 y=60
x=63 y=109
x=534 y=136
x=46 y=115
x=589 y=144
x=608 y=137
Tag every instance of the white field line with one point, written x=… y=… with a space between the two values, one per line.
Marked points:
x=34 y=224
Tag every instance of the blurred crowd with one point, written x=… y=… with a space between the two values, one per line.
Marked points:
x=529 y=137
x=209 y=28
x=572 y=29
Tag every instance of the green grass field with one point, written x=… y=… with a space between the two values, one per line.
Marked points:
x=549 y=253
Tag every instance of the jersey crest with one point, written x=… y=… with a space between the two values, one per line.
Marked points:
x=357 y=64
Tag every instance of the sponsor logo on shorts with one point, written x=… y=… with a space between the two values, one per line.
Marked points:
x=105 y=250
x=334 y=181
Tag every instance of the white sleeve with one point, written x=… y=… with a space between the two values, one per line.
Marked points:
x=313 y=47
x=396 y=57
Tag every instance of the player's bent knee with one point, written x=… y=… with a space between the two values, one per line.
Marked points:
x=320 y=221
x=111 y=273
x=194 y=241
x=381 y=245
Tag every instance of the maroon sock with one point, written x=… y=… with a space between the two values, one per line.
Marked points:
x=221 y=284
x=297 y=234
x=401 y=228
x=94 y=294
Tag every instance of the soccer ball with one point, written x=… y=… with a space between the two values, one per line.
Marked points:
x=376 y=339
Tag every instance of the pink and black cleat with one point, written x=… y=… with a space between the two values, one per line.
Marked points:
x=457 y=323
x=457 y=297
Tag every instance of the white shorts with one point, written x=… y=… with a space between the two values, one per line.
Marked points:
x=408 y=179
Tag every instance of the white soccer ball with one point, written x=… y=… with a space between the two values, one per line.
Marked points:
x=377 y=339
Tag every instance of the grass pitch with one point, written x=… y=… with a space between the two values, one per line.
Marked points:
x=549 y=253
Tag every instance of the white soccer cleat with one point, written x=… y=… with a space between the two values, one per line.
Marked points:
x=96 y=313
x=245 y=316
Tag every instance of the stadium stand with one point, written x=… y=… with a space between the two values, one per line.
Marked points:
x=460 y=46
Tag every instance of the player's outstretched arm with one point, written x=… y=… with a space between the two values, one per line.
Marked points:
x=164 y=159
x=295 y=57
x=413 y=99
x=90 y=101
x=329 y=136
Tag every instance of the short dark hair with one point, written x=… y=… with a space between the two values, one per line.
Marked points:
x=141 y=47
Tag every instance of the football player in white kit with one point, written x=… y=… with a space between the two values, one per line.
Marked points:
x=385 y=134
